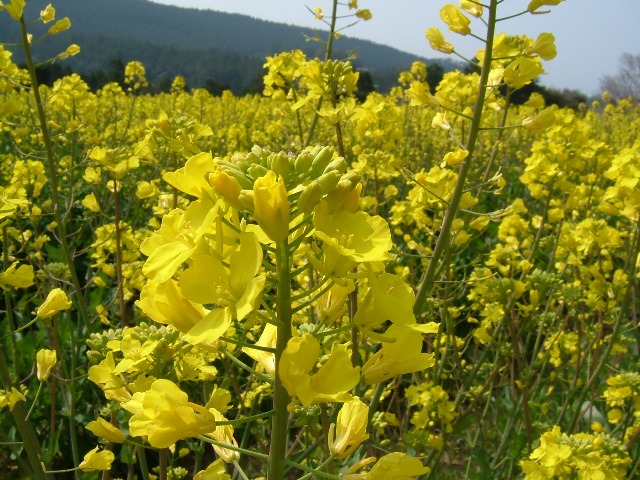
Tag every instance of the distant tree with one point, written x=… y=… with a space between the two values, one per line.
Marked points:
x=626 y=83
x=365 y=85
x=435 y=72
x=48 y=73
x=215 y=88
x=562 y=98
x=162 y=86
x=96 y=79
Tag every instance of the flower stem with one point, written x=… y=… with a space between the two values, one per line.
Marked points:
x=279 y=431
x=428 y=278
x=25 y=428
x=52 y=170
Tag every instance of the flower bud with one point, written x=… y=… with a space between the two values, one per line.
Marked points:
x=437 y=40
x=310 y=197
x=279 y=163
x=329 y=180
x=542 y=120
x=339 y=164
x=48 y=14
x=226 y=186
x=60 y=26
x=239 y=175
x=45 y=360
x=256 y=170
x=302 y=164
x=246 y=200
x=321 y=160
x=55 y=302
x=271 y=206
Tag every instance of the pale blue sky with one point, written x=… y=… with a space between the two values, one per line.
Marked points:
x=591 y=35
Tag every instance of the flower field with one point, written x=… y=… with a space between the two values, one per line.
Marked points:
x=432 y=283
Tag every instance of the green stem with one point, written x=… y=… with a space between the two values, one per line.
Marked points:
x=118 y=240
x=8 y=300
x=142 y=462
x=163 y=463
x=52 y=169
x=279 y=430
x=428 y=278
x=75 y=450
x=25 y=428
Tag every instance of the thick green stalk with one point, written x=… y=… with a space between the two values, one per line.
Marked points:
x=52 y=169
x=25 y=427
x=279 y=430
x=118 y=240
x=8 y=301
x=428 y=278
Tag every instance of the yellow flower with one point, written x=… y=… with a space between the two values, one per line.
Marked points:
x=102 y=428
x=271 y=206
x=333 y=379
x=227 y=187
x=71 y=50
x=177 y=238
x=453 y=159
x=192 y=178
x=394 y=466
x=267 y=360
x=437 y=40
x=164 y=415
x=112 y=385
x=544 y=46
x=215 y=471
x=403 y=354
x=419 y=94
x=8 y=202
x=542 y=120
x=165 y=303
x=455 y=19
x=55 y=302
x=364 y=14
x=358 y=236
x=17 y=276
x=48 y=14
x=536 y=4
x=389 y=298
x=472 y=7
x=60 y=26
x=95 y=460
x=235 y=282
x=45 y=360
x=15 y=8
x=351 y=430
x=90 y=202
x=11 y=398
x=522 y=71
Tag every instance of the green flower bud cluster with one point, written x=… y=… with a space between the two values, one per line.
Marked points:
x=314 y=174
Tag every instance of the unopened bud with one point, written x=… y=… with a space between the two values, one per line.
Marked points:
x=246 y=199
x=321 y=160
x=328 y=181
x=279 y=163
x=302 y=164
x=257 y=171
x=310 y=197
x=339 y=164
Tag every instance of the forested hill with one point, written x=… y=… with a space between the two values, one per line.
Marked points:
x=202 y=45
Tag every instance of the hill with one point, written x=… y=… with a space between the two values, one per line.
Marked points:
x=202 y=45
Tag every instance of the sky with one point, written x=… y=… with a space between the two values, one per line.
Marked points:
x=591 y=35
